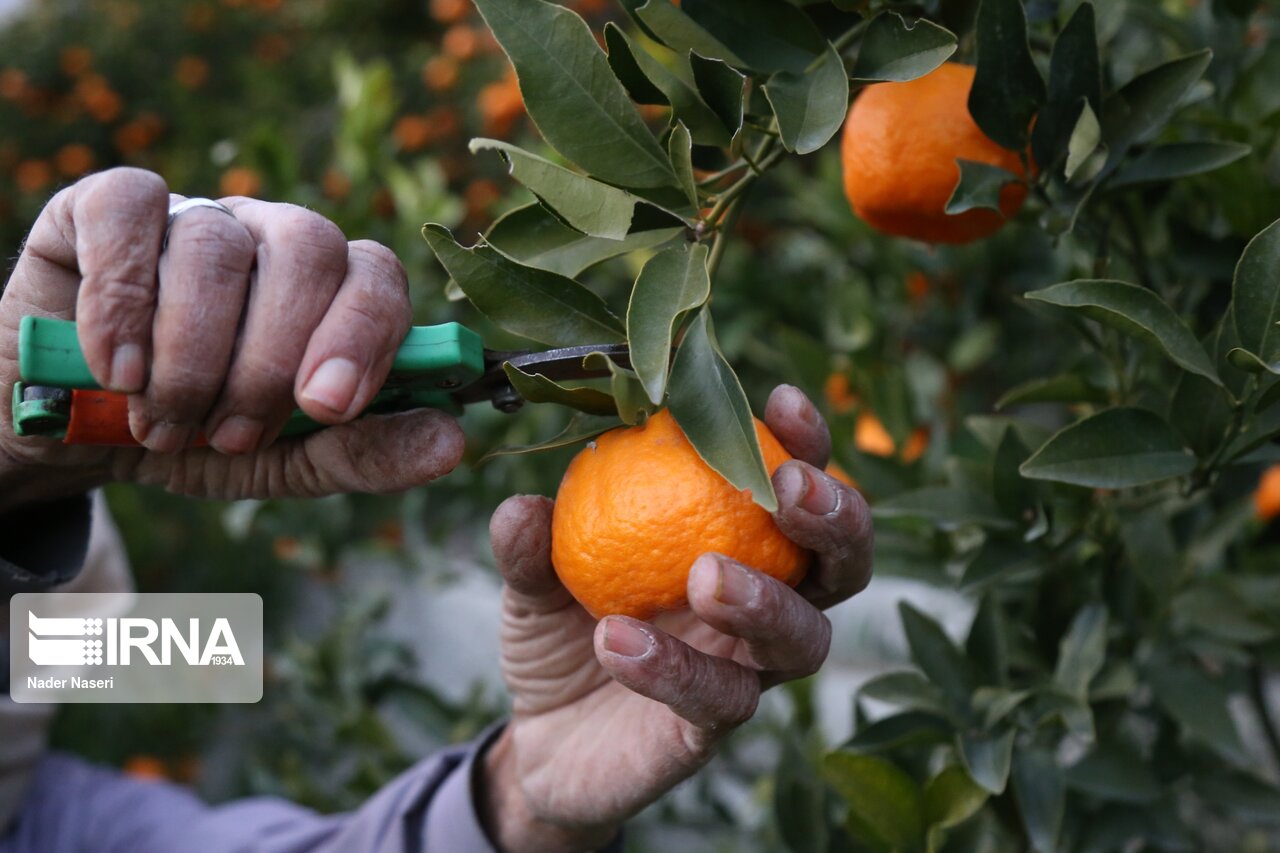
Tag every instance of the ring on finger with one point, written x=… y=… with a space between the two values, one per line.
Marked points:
x=183 y=206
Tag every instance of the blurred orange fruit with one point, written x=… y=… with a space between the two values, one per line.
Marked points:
x=901 y=142
x=918 y=286
x=840 y=396
x=412 y=133
x=145 y=767
x=335 y=185
x=480 y=196
x=440 y=74
x=871 y=437
x=271 y=48
x=98 y=98
x=1267 y=499
x=638 y=505
x=501 y=105
x=13 y=84
x=833 y=469
x=191 y=72
x=75 y=60
x=240 y=180
x=139 y=134
x=449 y=11
x=461 y=42
x=31 y=176
x=74 y=160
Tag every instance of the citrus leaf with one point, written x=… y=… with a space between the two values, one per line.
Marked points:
x=1075 y=83
x=572 y=95
x=1178 y=160
x=909 y=690
x=886 y=807
x=672 y=283
x=1007 y=87
x=722 y=89
x=800 y=800
x=1255 y=303
x=1242 y=359
x=628 y=393
x=1199 y=704
x=895 y=50
x=686 y=104
x=1082 y=651
x=979 y=187
x=532 y=236
x=672 y=27
x=1064 y=388
x=1012 y=492
x=1086 y=155
x=1144 y=104
x=1114 y=449
x=945 y=506
x=987 y=757
x=810 y=105
x=1114 y=772
x=1041 y=797
x=988 y=642
x=581 y=427
x=952 y=797
x=907 y=729
x=533 y=303
x=680 y=150
x=591 y=207
x=711 y=408
x=1136 y=312
x=938 y=658
x=768 y=35
x=535 y=388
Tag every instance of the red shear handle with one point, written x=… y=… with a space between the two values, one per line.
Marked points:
x=102 y=418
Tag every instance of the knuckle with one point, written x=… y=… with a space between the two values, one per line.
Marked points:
x=309 y=240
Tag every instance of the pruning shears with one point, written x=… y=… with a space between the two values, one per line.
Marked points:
x=443 y=367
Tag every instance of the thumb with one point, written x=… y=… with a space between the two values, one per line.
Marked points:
x=377 y=454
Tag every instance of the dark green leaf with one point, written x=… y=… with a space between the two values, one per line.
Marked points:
x=1041 y=796
x=1086 y=156
x=1076 y=715
x=910 y=728
x=986 y=756
x=1115 y=449
x=998 y=559
x=1151 y=549
x=628 y=71
x=1242 y=359
x=995 y=704
x=1014 y=495
x=1112 y=771
x=572 y=95
x=1251 y=800
x=895 y=50
x=532 y=236
x=680 y=149
x=945 y=506
x=799 y=802
x=535 y=388
x=768 y=35
x=1075 y=80
x=1255 y=305
x=1007 y=89
x=671 y=26
x=909 y=690
x=810 y=105
x=1201 y=412
x=579 y=429
x=721 y=88
x=1149 y=100
x=525 y=301
x=1064 y=388
x=1082 y=651
x=979 y=187
x=1199 y=704
x=628 y=393
x=1268 y=398
x=1178 y=160
x=672 y=283
x=591 y=207
x=1138 y=313
x=988 y=643
x=1263 y=427
x=711 y=408
x=686 y=104
x=885 y=804
x=1215 y=607
x=935 y=654
x=952 y=797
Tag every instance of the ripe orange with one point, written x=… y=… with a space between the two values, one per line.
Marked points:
x=638 y=505
x=871 y=437
x=901 y=143
x=1267 y=499
x=839 y=394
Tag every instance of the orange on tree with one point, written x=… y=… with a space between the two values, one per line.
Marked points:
x=638 y=506
x=1266 y=500
x=871 y=437
x=901 y=142
x=839 y=394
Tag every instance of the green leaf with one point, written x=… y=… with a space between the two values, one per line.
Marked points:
x=628 y=393
x=533 y=303
x=671 y=284
x=721 y=88
x=907 y=729
x=1085 y=153
x=987 y=756
x=1114 y=772
x=979 y=187
x=1199 y=704
x=810 y=104
x=768 y=35
x=1015 y=496
x=1007 y=88
x=995 y=704
x=671 y=26
x=686 y=104
x=591 y=207
x=1075 y=82
x=885 y=805
x=1251 y=800
x=909 y=690
x=952 y=797
x=935 y=654
x=1201 y=413
x=1063 y=388
x=895 y=50
x=572 y=95
x=1214 y=606
x=1082 y=651
x=1255 y=304
x=1178 y=160
x=945 y=506
x=1041 y=796
x=988 y=643
x=680 y=149
x=1144 y=104
x=1136 y=312
x=800 y=801
x=1152 y=551
x=1115 y=449
x=533 y=237
x=711 y=408
x=581 y=428
x=1076 y=715
x=535 y=388
x=1242 y=359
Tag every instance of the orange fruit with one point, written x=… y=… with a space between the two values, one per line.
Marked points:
x=1267 y=499
x=833 y=469
x=839 y=394
x=74 y=160
x=240 y=180
x=145 y=767
x=871 y=437
x=901 y=142
x=638 y=505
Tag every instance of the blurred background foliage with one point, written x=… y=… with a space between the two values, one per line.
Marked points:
x=362 y=111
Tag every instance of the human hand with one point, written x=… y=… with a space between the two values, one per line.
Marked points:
x=607 y=717
x=238 y=321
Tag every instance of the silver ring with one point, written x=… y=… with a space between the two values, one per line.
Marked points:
x=188 y=204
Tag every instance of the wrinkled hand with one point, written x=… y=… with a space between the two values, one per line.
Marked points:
x=240 y=320
x=607 y=717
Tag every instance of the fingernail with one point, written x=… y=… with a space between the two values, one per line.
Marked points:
x=820 y=498
x=127 y=369
x=791 y=485
x=237 y=434
x=627 y=640
x=333 y=385
x=169 y=438
x=737 y=586
x=801 y=406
